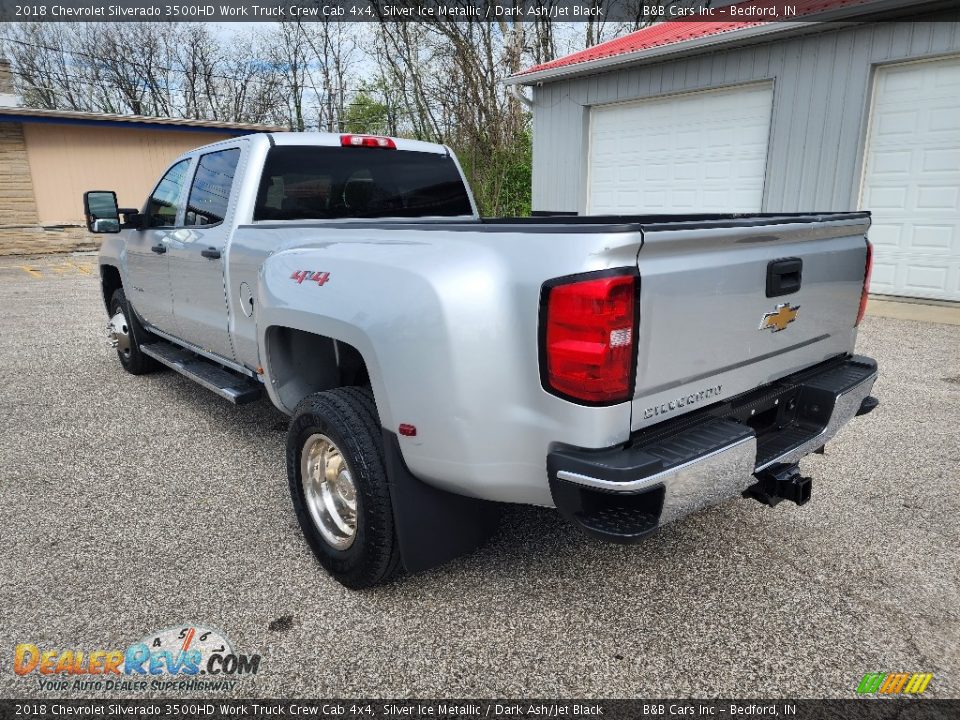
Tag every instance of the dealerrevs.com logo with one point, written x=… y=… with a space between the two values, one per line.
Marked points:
x=189 y=657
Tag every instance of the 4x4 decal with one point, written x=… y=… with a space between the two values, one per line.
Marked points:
x=316 y=276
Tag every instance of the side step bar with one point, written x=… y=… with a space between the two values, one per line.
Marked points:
x=237 y=389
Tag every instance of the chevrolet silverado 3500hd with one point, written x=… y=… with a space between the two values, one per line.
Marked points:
x=625 y=370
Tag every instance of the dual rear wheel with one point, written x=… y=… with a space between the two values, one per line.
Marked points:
x=335 y=468
x=338 y=482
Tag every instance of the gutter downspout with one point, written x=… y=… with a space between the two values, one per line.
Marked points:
x=517 y=91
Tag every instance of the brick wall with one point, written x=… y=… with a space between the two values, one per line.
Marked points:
x=42 y=241
x=17 y=206
x=20 y=230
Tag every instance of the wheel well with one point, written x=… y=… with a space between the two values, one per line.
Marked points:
x=110 y=282
x=302 y=363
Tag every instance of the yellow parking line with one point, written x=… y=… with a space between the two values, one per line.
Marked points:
x=83 y=269
x=62 y=268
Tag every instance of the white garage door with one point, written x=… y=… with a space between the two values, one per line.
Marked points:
x=912 y=180
x=696 y=152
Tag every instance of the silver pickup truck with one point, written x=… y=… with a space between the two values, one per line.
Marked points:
x=435 y=364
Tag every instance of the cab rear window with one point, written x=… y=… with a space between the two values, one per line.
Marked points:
x=309 y=182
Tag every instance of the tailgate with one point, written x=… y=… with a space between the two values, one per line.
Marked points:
x=708 y=329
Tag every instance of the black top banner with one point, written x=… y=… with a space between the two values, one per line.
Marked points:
x=639 y=12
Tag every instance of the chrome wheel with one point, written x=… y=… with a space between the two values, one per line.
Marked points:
x=329 y=491
x=118 y=334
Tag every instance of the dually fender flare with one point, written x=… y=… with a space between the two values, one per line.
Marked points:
x=433 y=526
x=308 y=321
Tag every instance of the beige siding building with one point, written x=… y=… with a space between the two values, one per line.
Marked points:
x=48 y=158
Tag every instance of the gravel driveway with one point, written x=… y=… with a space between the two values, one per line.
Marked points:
x=131 y=504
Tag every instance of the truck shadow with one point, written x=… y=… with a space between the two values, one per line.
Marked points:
x=530 y=542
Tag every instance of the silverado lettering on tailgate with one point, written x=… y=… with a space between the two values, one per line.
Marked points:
x=691 y=399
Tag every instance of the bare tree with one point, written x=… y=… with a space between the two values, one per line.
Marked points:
x=174 y=69
x=44 y=72
x=542 y=46
x=335 y=53
x=288 y=52
x=448 y=77
x=440 y=79
x=406 y=56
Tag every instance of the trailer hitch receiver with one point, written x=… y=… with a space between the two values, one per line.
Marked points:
x=781 y=482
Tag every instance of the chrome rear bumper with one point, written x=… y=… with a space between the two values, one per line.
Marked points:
x=676 y=468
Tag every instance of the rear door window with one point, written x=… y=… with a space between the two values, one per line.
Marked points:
x=210 y=192
x=302 y=183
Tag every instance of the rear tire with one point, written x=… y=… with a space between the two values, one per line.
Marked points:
x=338 y=484
x=130 y=334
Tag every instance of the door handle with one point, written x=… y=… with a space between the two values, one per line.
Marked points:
x=784 y=276
x=159 y=249
x=211 y=253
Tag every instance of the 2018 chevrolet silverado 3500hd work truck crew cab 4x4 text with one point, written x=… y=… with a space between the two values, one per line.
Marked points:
x=625 y=370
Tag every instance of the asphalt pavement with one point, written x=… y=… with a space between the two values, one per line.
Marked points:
x=132 y=504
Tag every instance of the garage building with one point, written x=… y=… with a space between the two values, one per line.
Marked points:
x=685 y=117
x=48 y=158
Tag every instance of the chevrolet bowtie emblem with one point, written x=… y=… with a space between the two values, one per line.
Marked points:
x=779 y=319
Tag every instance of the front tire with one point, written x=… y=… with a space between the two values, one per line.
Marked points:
x=125 y=329
x=338 y=484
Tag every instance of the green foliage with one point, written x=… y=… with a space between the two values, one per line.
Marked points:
x=365 y=114
x=500 y=177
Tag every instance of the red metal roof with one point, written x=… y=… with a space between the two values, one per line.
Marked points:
x=677 y=31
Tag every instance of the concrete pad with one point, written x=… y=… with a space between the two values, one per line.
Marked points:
x=946 y=313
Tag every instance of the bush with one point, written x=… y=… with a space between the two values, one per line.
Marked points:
x=500 y=177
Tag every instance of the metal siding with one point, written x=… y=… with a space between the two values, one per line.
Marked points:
x=558 y=169
x=608 y=87
x=821 y=100
x=813 y=159
x=541 y=115
x=623 y=84
x=830 y=144
x=544 y=114
x=853 y=123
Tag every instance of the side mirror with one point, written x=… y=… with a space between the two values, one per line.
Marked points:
x=100 y=208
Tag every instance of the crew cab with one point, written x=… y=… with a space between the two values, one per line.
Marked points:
x=435 y=364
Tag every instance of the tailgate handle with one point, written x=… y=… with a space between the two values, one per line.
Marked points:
x=784 y=276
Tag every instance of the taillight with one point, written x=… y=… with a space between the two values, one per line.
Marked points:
x=371 y=141
x=867 y=270
x=588 y=337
